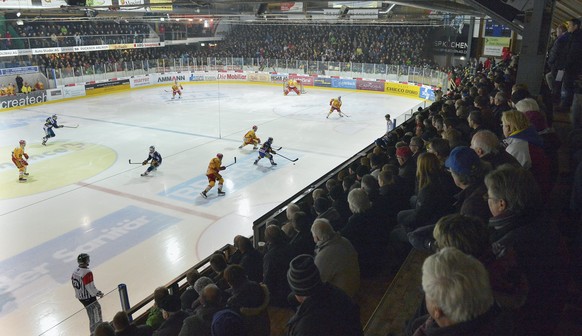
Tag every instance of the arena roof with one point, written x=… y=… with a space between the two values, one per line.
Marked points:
x=423 y=12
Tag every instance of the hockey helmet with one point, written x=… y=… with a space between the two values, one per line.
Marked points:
x=255 y=127
x=270 y=139
x=54 y=116
x=83 y=258
x=152 y=149
x=219 y=155
x=22 y=142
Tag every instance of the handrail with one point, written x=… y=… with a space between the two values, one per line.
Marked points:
x=260 y=223
x=174 y=283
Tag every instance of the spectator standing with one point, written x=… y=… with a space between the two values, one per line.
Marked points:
x=573 y=66
x=557 y=62
x=19 y=83
x=86 y=292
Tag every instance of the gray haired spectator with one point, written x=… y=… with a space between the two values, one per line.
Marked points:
x=487 y=146
x=458 y=295
x=336 y=258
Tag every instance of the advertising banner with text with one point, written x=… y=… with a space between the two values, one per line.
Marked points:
x=343 y=83
x=259 y=77
x=279 y=78
x=322 y=81
x=305 y=80
x=140 y=81
x=32 y=98
x=404 y=90
x=369 y=85
x=233 y=76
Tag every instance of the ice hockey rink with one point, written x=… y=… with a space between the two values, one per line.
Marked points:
x=83 y=195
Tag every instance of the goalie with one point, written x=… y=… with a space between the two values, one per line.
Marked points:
x=19 y=158
x=335 y=105
x=251 y=138
x=177 y=88
x=156 y=161
x=292 y=85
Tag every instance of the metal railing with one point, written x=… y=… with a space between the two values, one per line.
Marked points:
x=400 y=73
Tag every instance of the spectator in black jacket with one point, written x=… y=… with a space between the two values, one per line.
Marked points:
x=124 y=328
x=275 y=265
x=325 y=310
x=251 y=260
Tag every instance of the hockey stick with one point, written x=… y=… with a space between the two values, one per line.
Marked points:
x=231 y=163
x=279 y=148
x=292 y=160
x=134 y=162
x=75 y=126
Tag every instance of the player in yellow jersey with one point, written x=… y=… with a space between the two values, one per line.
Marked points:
x=251 y=138
x=213 y=174
x=177 y=88
x=335 y=105
x=19 y=158
x=291 y=86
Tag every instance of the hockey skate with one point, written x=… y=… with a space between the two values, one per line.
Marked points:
x=203 y=194
x=22 y=180
x=144 y=174
x=273 y=163
x=255 y=147
x=44 y=141
x=221 y=193
x=241 y=146
x=26 y=174
x=256 y=161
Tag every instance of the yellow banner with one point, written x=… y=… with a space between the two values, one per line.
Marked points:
x=165 y=8
x=405 y=90
x=497 y=41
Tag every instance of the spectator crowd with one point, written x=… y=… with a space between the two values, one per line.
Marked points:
x=468 y=180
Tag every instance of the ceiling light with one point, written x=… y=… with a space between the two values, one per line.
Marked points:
x=19 y=22
x=162 y=19
x=190 y=20
x=18 y=14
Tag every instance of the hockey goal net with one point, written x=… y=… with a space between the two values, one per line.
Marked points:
x=299 y=87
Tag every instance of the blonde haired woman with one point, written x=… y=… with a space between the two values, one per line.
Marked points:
x=523 y=143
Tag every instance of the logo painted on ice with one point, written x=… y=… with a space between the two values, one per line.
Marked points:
x=243 y=172
x=106 y=238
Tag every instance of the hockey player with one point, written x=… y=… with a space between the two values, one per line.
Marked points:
x=49 y=124
x=177 y=88
x=19 y=158
x=251 y=138
x=267 y=151
x=291 y=86
x=213 y=174
x=336 y=105
x=86 y=292
x=156 y=161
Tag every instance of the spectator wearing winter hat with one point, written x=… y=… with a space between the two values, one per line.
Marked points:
x=468 y=173
x=324 y=309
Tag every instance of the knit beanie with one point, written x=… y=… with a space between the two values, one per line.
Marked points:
x=303 y=275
